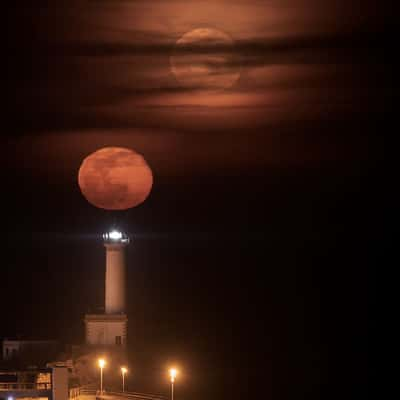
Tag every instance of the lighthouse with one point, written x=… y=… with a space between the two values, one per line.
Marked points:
x=110 y=328
x=115 y=243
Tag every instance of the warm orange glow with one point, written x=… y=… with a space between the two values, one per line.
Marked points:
x=101 y=363
x=172 y=373
x=124 y=370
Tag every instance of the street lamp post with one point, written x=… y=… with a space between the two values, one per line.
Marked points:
x=172 y=373
x=102 y=363
x=123 y=371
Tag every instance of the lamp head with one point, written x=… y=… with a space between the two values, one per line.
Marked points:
x=115 y=236
x=172 y=373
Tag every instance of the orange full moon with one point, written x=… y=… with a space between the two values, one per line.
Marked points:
x=205 y=58
x=115 y=178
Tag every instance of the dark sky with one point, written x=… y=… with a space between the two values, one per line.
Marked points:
x=254 y=258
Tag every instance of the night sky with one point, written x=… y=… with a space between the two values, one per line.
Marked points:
x=253 y=260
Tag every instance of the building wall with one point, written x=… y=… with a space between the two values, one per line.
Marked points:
x=60 y=383
x=10 y=348
x=13 y=348
x=105 y=332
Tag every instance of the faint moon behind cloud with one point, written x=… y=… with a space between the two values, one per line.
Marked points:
x=205 y=58
x=115 y=178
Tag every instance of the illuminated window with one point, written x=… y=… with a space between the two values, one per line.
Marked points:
x=43 y=381
x=43 y=377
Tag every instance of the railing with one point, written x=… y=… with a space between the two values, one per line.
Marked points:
x=74 y=393
x=87 y=390
x=24 y=386
x=132 y=395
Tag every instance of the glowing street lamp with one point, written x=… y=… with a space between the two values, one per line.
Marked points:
x=123 y=371
x=102 y=364
x=172 y=373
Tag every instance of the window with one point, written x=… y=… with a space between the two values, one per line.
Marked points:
x=118 y=340
x=43 y=377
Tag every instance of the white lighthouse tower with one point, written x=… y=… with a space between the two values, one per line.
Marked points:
x=110 y=328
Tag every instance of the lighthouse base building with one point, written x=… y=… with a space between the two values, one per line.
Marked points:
x=104 y=329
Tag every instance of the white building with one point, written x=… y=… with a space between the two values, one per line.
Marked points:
x=14 y=348
x=39 y=384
